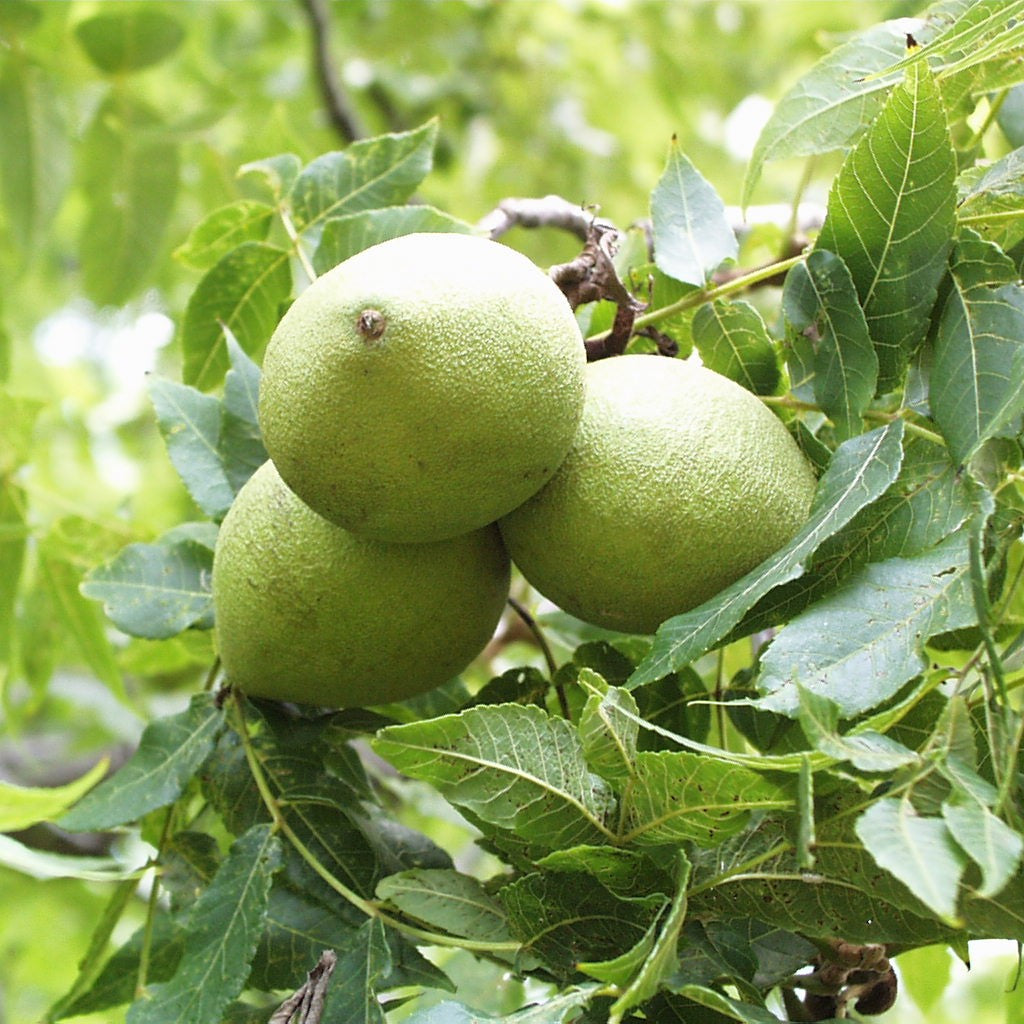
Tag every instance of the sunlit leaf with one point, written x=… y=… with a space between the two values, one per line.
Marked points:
x=222 y=230
x=43 y=864
x=988 y=841
x=368 y=175
x=733 y=340
x=14 y=534
x=860 y=472
x=130 y=39
x=169 y=753
x=891 y=216
x=245 y=292
x=692 y=235
x=21 y=806
x=345 y=236
x=609 y=738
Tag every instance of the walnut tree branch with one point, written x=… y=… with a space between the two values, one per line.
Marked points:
x=342 y=116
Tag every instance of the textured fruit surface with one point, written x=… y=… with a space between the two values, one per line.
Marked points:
x=424 y=387
x=308 y=612
x=679 y=482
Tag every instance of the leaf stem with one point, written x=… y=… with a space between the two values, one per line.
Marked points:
x=296 y=241
x=152 y=905
x=367 y=907
x=549 y=659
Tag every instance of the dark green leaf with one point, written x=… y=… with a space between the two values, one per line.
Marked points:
x=345 y=236
x=890 y=219
x=221 y=936
x=243 y=292
x=820 y=299
x=222 y=230
x=170 y=751
x=978 y=369
x=919 y=851
x=360 y=973
x=368 y=175
x=564 y=918
x=190 y=423
x=732 y=340
x=129 y=40
x=155 y=590
x=692 y=235
x=513 y=766
x=860 y=472
x=860 y=644
x=34 y=157
x=731 y=1009
x=130 y=181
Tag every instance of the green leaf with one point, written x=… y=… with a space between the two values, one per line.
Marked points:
x=129 y=40
x=692 y=235
x=243 y=292
x=919 y=851
x=345 y=236
x=221 y=936
x=552 y=1010
x=891 y=214
x=991 y=843
x=276 y=174
x=43 y=864
x=190 y=423
x=155 y=590
x=360 y=973
x=241 y=442
x=449 y=900
x=731 y=1009
x=564 y=918
x=732 y=340
x=512 y=766
x=130 y=179
x=608 y=736
x=820 y=301
x=223 y=230
x=22 y=806
x=35 y=158
x=860 y=472
x=368 y=175
x=831 y=104
x=860 y=644
x=14 y=534
x=676 y=797
x=978 y=369
x=993 y=201
x=171 y=750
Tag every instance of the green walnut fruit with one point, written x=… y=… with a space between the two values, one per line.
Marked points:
x=423 y=388
x=308 y=612
x=679 y=482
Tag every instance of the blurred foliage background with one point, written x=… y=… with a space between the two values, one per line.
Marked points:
x=103 y=171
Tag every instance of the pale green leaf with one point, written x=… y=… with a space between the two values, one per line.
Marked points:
x=14 y=533
x=919 y=851
x=222 y=230
x=368 y=175
x=820 y=301
x=991 y=843
x=860 y=472
x=891 y=213
x=155 y=590
x=130 y=39
x=609 y=736
x=34 y=158
x=992 y=200
x=170 y=751
x=677 y=796
x=275 y=174
x=860 y=644
x=244 y=292
x=221 y=936
x=22 y=806
x=345 y=236
x=190 y=423
x=513 y=766
x=692 y=235
x=42 y=864
x=130 y=169
x=733 y=340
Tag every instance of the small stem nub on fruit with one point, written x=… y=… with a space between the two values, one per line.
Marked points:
x=371 y=324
